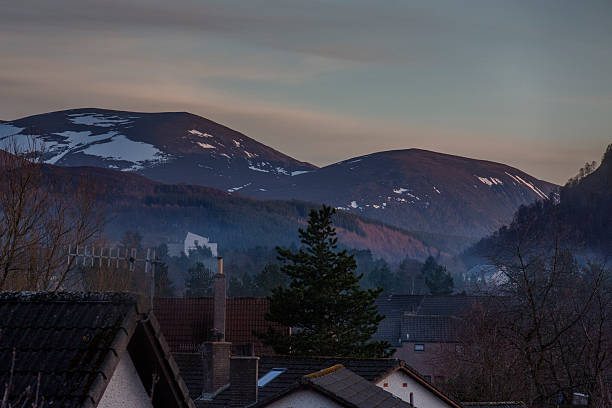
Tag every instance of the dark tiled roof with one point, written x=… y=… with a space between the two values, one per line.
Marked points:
x=186 y=322
x=503 y=404
x=347 y=387
x=429 y=329
x=191 y=368
x=446 y=305
x=74 y=340
x=370 y=369
x=63 y=337
x=395 y=307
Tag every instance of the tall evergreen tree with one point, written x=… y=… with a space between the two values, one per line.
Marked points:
x=329 y=313
x=437 y=279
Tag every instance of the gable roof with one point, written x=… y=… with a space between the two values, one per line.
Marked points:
x=75 y=341
x=187 y=322
x=294 y=368
x=428 y=329
x=395 y=308
x=346 y=388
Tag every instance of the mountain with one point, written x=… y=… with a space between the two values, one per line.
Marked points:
x=411 y=189
x=163 y=212
x=172 y=147
x=580 y=220
x=417 y=190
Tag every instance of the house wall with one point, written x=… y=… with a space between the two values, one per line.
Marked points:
x=304 y=399
x=429 y=362
x=422 y=397
x=190 y=243
x=125 y=390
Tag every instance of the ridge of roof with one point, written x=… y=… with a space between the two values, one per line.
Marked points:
x=323 y=372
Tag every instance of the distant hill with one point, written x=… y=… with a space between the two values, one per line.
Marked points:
x=412 y=189
x=172 y=147
x=580 y=219
x=418 y=190
x=162 y=212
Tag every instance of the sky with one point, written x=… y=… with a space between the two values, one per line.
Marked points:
x=526 y=83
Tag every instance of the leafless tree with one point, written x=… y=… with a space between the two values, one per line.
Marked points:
x=545 y=333
x=39 y=219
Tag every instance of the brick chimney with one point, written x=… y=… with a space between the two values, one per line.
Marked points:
x=216 y=359
x=219 y=304
x=243 y=380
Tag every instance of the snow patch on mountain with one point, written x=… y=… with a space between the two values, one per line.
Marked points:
x=97 y=119
x=122 y=148
x=436 y=190
x=400 y=190
x=534 y=188
x=205 y=145
x=9 y=130
x=258 y=169
x=198 y=133
x=298 y=172
x=231 y=190
x=72 y=141
x=354 y=204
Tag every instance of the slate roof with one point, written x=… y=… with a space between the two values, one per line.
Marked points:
x=502 y=404
x=74 y=340
x=395 y=308
x=186 y=322
x=351 y=390
x=429 y=329
x=370 y=369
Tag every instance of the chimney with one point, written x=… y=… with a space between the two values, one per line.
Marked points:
x=216 y=359
x=219 y=304
x=243 y=380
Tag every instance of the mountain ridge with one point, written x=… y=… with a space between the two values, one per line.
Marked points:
x=414 y=189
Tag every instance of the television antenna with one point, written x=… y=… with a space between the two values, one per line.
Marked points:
x=90 y=256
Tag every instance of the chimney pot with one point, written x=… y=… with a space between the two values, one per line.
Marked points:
x=219 y=304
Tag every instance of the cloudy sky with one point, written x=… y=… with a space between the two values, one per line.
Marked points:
x=527 y=83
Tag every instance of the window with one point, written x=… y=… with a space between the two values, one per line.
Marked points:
x=404 y=385
x=270 y=375
x=385 y=384
x=419 y=347
x=427 y=378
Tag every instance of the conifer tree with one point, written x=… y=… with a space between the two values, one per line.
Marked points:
x=437 y=278
x=323 y=304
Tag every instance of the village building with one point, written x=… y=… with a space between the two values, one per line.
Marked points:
x=86 y=350
x=190 y=243
x=219 y=373
x=423 y=328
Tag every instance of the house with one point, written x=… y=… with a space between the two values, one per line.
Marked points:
x=221 y=374
x=334 y=387
x=279 y=376
x=191 y=242
x=423 y=328
x=86 y=350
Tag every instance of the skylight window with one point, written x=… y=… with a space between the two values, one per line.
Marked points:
x=270 y=375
